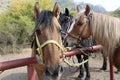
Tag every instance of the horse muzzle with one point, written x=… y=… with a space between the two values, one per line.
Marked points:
x=53 y=73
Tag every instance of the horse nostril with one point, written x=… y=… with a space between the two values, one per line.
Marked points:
x=58 y=71
x=47 y=72
x=54 y=71
x=61 y=69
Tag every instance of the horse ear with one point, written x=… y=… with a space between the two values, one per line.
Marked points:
x=66 y=11
x=36 y=9
x=60 y=13
x=56 y=10
x=87 y=10
x=78 y=9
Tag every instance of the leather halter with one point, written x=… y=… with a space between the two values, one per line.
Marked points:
x=39 y=56
x=89 y=17
x=79 y=39
x=81 y=33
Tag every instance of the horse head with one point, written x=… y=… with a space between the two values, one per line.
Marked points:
x=47 y=44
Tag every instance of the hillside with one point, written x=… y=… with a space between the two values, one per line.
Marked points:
x=17 y=23
x=116 y=13
x=96 y=8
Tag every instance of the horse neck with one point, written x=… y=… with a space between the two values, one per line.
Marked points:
x=105 y=30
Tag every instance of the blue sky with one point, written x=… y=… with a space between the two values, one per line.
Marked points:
x=109 y=5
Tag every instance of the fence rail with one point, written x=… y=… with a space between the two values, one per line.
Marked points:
x=32 y=60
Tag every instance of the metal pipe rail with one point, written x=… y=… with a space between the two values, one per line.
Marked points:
x=32 y=60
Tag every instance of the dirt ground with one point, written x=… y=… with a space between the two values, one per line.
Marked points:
x=69 y=73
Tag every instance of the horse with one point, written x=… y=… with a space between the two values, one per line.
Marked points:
x=85 y=43
x=65 y=20
x=93 y=42
x=47 y=43
x=103 y=28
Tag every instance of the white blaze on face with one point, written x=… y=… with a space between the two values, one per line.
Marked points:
x=71 y=27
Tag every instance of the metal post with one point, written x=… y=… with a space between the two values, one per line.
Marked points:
x=31 y=72
x=32 y=60
x=111 y=70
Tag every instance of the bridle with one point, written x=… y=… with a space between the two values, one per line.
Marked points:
x=79 y=38
x=67 y=19
x=39 y=50
x=40 y=54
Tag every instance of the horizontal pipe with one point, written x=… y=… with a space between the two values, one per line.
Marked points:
x=32 y=60
x=16 y=63
x=85 y=49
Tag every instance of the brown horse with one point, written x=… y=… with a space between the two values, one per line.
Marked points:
x=47 y=43
x=104 y=29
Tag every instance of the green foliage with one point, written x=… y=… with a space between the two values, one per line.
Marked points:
x=17 y=24
x=47 y=4
x=73 y=13
x=116 y=13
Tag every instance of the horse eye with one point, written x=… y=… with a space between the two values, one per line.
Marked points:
x=80 y=24
x=59 y=30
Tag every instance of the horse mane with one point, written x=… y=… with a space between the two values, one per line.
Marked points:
x=45 y=19
x=78 y=14
x=105 y=30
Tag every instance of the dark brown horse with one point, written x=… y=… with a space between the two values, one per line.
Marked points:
x=65 y=22
x=103 y=28
x=47 y=43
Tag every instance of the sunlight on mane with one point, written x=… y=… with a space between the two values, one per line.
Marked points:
x=106 y=30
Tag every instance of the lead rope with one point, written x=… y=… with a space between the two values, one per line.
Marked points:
x=63 y=50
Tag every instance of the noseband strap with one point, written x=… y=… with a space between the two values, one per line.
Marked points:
x=40 y=58
x=81 y=33
x=41 y=46
x=84 y=26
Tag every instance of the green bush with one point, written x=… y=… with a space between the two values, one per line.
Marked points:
x=73 y=13
x=17 y=24
x=116 y=13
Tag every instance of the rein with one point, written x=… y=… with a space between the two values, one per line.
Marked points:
x=40 y=59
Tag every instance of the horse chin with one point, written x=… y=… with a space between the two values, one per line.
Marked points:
x=51 y=78
x=53 y=74
x=116 y=58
